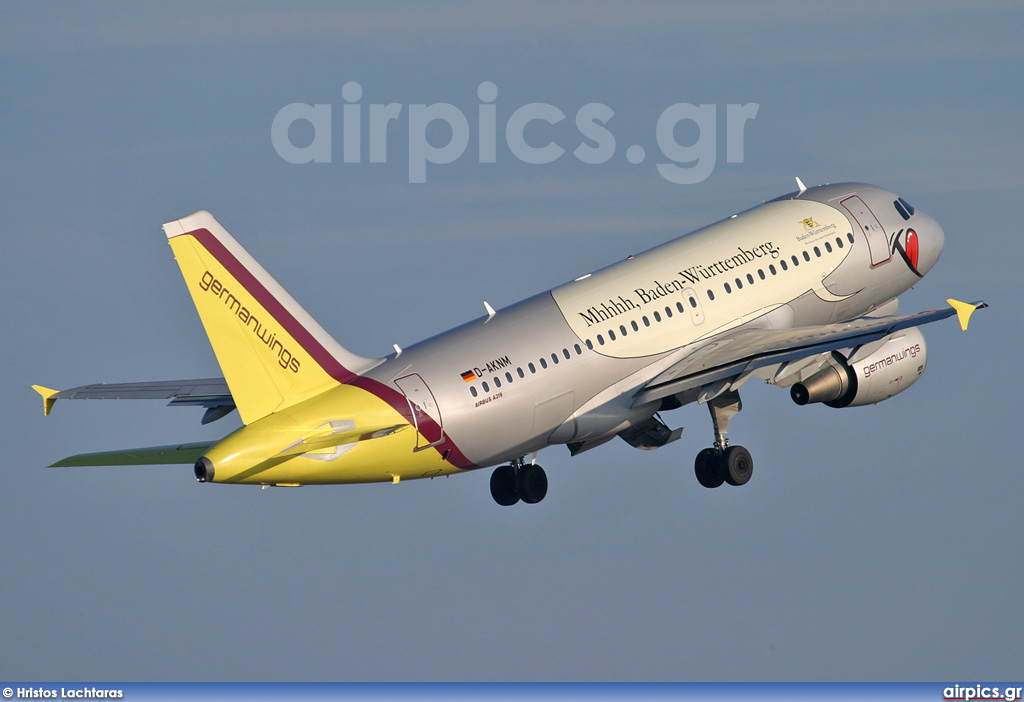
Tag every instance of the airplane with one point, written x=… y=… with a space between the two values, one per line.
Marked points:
x=799 y=291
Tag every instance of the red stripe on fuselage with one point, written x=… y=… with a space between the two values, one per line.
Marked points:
x=400 y=404
x=270 y=303
x=315 y=349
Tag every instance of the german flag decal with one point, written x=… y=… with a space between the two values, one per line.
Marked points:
x=469 y=376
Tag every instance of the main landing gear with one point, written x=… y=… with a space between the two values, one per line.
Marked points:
x=518 y=481
x=723 y=463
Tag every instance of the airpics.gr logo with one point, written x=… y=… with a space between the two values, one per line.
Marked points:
x=595 y=143
x=285 y=359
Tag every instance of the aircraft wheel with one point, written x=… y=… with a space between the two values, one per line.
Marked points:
x=708 y=468
x=737 y=465
x=503 y=486
x=532 y=484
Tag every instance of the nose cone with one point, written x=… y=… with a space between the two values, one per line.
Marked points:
x=932 y=240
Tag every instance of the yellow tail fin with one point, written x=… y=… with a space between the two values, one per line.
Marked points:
x=272 y=353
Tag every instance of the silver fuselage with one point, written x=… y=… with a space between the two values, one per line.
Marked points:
x=567 y=365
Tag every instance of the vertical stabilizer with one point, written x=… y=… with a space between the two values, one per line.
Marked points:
x=272 y=353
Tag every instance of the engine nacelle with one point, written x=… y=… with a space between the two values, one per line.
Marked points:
x=887 y=371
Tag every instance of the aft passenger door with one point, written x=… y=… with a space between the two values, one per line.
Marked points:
x=425 y=413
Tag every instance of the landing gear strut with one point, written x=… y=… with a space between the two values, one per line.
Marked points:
x=518 y=481
x=723 y=463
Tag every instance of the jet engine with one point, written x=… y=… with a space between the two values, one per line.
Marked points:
x=865 y=379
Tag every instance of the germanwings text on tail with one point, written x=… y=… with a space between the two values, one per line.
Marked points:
x=800 y=292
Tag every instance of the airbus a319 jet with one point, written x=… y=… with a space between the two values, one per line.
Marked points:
x=800 y=292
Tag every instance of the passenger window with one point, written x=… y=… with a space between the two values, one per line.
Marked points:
x=668 y=311
x=543 y=363
x=600 y=340
x=771 y=269
x=693 y=303
x=760 y=274
x=590 y=344
x=533 y=368
x=657 y=317
x=508 y=376
x=711 y=296
x=828 y=246
x=579 y=351
x=554 y=358
x=727 y=289
x=750 y=279
x=565 y=352
x=679 y=306
x=784 y=266
x=636 y=327
x=839 y=242
x=497 y=382
x=739 y=284
x=807 y=256
x=472 y=390
x=849 y=236
x=485 y=386
x=817 y=252
x=796 y=261
x=519 y=370
x=611 y=335
x=647 y=322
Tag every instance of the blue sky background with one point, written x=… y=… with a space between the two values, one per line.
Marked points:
x=874 y=543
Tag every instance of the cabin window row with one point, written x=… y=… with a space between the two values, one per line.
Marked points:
x=610 y=335
x=532 y=368
x=784 y=265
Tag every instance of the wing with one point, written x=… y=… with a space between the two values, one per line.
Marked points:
x=211 y=393
x=724 y=363
x=149 y=456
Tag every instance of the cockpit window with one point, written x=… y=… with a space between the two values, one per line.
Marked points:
x=903 y=207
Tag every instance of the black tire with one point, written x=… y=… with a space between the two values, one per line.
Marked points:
x=532 y=484
x=708 y=468
x=737 y=465
x=503 y=486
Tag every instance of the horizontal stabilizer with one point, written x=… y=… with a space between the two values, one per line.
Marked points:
x=211 y=393
x=49 y=398
x=148 y=456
